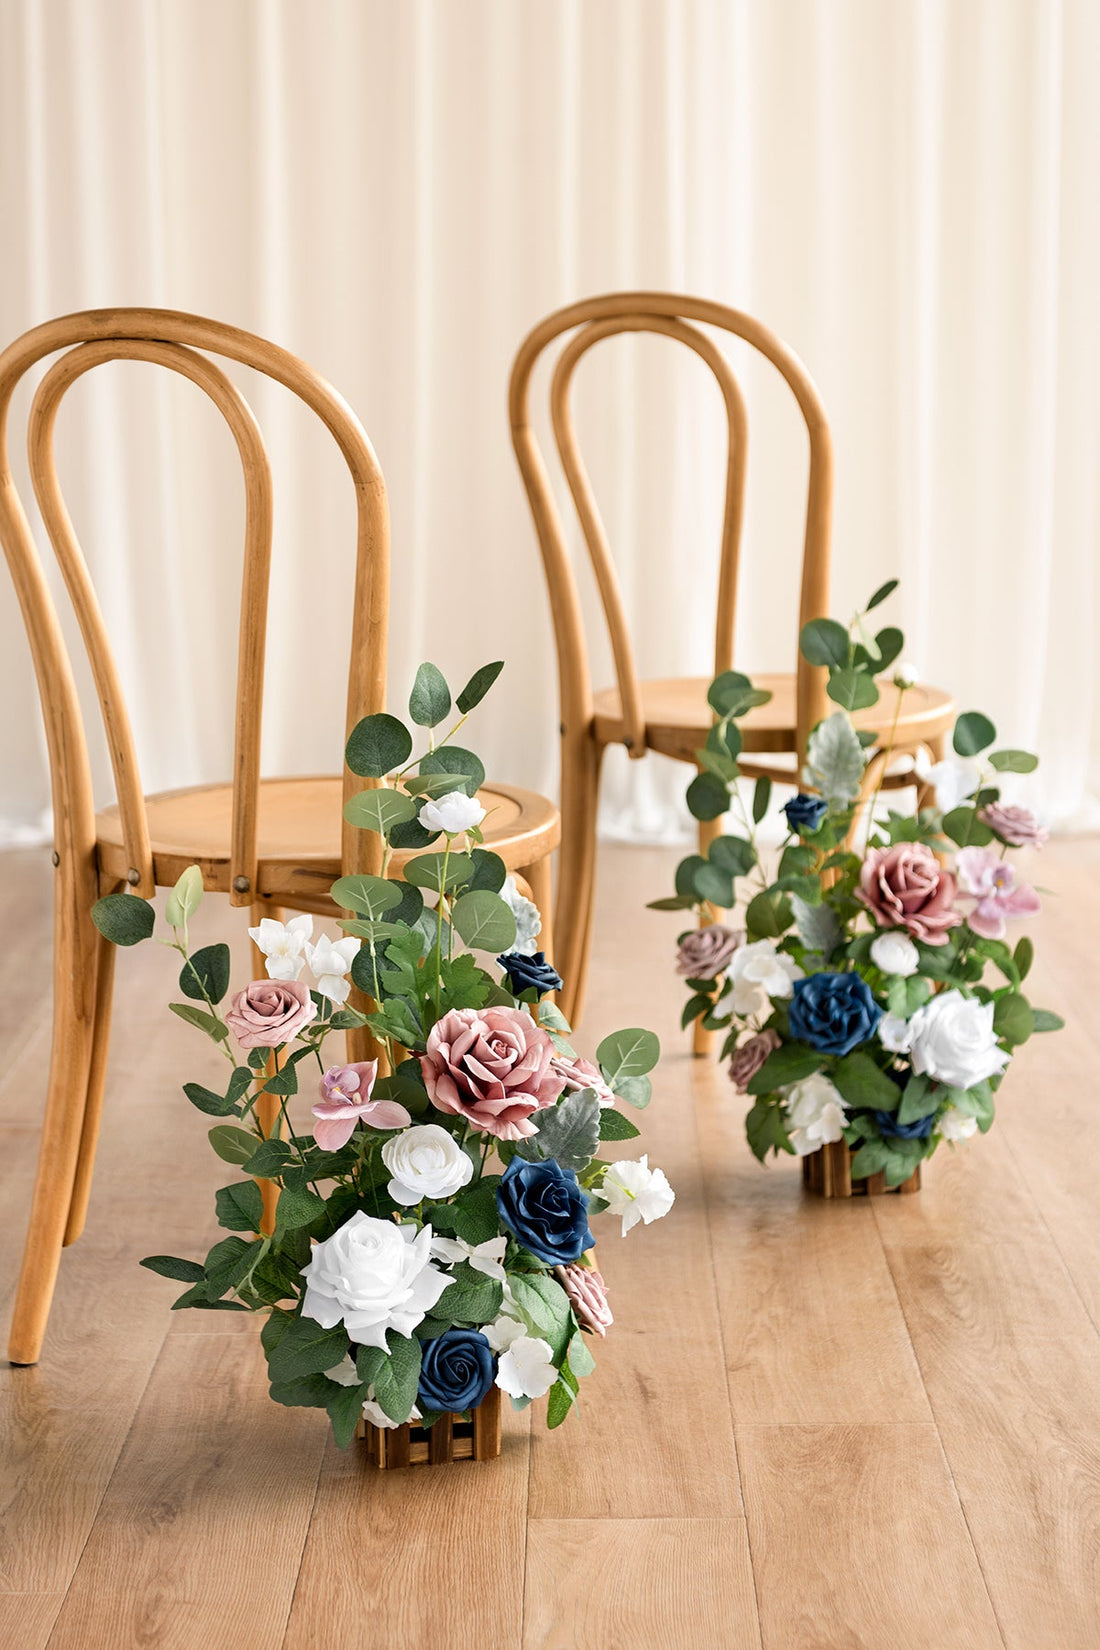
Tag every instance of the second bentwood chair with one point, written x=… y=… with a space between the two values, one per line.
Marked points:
x=673 y=716
x=268 y=844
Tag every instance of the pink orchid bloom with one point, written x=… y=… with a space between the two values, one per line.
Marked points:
x=992 y=883
x=346 y=1100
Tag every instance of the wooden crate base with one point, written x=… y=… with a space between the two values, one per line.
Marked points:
x=450 y=1439
x=828 y=1173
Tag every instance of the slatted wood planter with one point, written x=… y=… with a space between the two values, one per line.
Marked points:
x=828 y=1173
x=450 y=1439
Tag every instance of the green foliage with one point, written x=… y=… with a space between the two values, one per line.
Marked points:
x=214 y=1105
x=881 y=594
x=380 y=810
x=372 y=897
x=239 y=1206
x=430 y=699
x=124 y=919
x=489 y=874
x=862 y=1083
x=707 y=796
x=568 y=1132
x=789 y=1063
x=768 y=915
x=973 y=733
x=453 y=759
x=471 y=1298
x=185 y=898
x=435 y=871
x=344 y=1409
x=377 y=745
x=852 y=689
x=835 y=760
x=544 y=1306
x=205 y=975
x=197 y=1017
x=478 y=686
x=1013 y=1020
x=231 y=1144
x=299 y=1346
x=168 y=1266
x=766 y=1129
x=626 y=1054
x=761 y=796
x=825 y=642
x=484 y=921
x=614 y=1126
x=732 y=854
x=964 y=827
x=1012 y=761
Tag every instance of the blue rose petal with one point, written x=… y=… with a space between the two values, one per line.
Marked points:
x=545 y=1209
x=833 y=1012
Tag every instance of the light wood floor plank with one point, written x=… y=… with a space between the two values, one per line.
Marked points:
x=859 y=1543
x=26 y=1619
x=639 y=1584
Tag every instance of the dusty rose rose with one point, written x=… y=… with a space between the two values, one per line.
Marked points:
x=587 y=1296
x=268 y=1013
x=582 y=1074
x=1016 y=826
x=492 y=1066
x=746 y=1061
x=705 y=952
x=906 y=887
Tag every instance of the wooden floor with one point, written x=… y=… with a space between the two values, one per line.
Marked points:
x=814 y=1425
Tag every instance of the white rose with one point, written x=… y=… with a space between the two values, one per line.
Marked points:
x=895 y=954
x=952 y=1040
x=372 y=1276
x=526 y=1369
x=636 y=1192
x=956 y=1125
x=454 y=813
x=894 y=1033
x=816 y=1114
x=425 y=1161
x=528 y=918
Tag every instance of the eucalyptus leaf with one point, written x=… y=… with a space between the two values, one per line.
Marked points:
x=233 y=1145
x=478 y=686
x=708 y=797
x=825 y=642
x=368 y=896
x=377 y=745
x=484 y=921
x=881 y=594
x=124 y=919
x=185 y=898
x=973 y=733
x=205 y=975
x=430 y=699
x=379 y=810
x=629 y=1053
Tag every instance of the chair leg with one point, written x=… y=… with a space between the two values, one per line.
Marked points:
x=71 y=1059
x=580 y=788
x=268 y=1110
x=702 y=1041
x=93 y=1105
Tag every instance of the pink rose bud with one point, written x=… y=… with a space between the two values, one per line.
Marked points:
x=268 y=1013
x=587 y=1294
x=1016 y=826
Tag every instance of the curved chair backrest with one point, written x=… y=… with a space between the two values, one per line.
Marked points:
x=172 y=339
x=671 y=315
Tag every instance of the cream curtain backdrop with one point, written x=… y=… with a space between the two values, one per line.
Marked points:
x=905 y=190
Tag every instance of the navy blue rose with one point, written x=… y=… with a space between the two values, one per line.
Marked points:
x=805 y=813
x=833 y=1012
x=543 y=1207
x=456 y=1370
x=523 y=972
x=891 y=1129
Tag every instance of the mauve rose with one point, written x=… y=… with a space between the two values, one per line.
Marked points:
x=906 y=887
x=706 y=952
x=268 y=1013
x=587 y=1294
x=746 y=1061
x=1016 y=826
x=492 y=1066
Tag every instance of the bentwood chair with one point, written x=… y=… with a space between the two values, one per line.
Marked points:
x=267 y=844
x=672 y=716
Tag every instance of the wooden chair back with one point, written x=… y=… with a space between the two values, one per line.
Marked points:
x=173 y=340
x=671 y=316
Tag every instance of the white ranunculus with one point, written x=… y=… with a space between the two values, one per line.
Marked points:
x=526 y=1368
x=636 y=1192
x=528 y=918
x=373 y=1411
x=425 y=1161
x=952 y=1040
x=454 y=813
x=283 y=944
x=895 y=954
x=894 y=1033
x=372 y=1276
x=953 y=780
x=816 y=1114
x=487 y=1257
x=956 y=1125
x=329 y=962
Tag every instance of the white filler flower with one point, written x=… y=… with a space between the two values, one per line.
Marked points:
x=528 y=918
x=894 y=1033
x=815 y=1114
x=636 y=1192
x=953 y=780
x=372 y=1276
x=895 y=954
x=373 y=1411
x=487 y=1257
x=454 y=813
x=952 y=1040
x=283 y=944
x=526 y=1369
x=329 y=962
x=757 y=972
x=956 y=1125
x=425 y=1161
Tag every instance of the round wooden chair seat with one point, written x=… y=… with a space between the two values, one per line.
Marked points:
x=677 y=717
x=299 y=836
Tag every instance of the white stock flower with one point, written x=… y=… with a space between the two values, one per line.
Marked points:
x=425 y=1161
x=636 y=1192
x=953 y=780
x=526 y=1368
x=952 y=1040
x=528 y=918
x=757 y=972
x=894 y=1033
x=283 y=944
x=815 y=1114
x=373 y=1412
x=454 y=813
x=485 y=1257
x=956 y=1125
x=372 y=1276
x=895 y=954
x=329 y=962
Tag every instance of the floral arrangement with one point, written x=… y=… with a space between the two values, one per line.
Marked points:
x=857 y=997
x=431 y=1233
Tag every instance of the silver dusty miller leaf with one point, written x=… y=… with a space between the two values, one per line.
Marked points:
x=818 y=926
x=835 y=759
x=569 y=1132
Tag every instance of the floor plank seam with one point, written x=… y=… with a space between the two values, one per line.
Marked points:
x=305 y=1543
